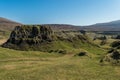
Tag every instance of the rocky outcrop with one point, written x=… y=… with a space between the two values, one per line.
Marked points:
x=113 y=55
x=30 y=35
x=116 y=44
x=43 y=38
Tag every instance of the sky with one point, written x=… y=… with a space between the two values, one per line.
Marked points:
x=76 y=12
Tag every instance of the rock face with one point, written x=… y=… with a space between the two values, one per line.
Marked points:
x=30 y=35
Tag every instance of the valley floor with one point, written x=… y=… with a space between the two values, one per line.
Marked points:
x=33 y=65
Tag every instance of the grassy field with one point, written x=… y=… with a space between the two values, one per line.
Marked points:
x=34 y=65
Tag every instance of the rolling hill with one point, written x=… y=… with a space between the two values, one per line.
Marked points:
x=63 y=27
x=109 y=26
x=7 y=25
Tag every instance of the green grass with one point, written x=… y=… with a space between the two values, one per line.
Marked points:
x=9 y=53
x=35 y=65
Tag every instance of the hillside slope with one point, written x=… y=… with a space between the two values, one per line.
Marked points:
x=109 y=26
x=7 y=25
x=63 y=27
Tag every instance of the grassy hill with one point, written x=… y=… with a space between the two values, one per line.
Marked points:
x=63 y=27
x=108 y=26
x=7 y=25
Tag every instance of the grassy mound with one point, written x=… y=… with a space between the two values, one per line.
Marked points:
x=113 y=55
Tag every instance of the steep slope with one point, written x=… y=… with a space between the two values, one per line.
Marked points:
x=7 y=25
x=39 y=37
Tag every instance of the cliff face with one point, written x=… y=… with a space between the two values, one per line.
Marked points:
x=31 y=34
x=41 y=37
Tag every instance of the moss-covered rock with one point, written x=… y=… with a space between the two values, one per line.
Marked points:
x=30 y=35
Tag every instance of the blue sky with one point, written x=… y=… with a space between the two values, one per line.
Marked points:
x=78 y=12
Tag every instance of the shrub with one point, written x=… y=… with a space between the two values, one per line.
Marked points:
x=111 y=50
x=118 y=37
x=81 y=54
x=116 y=55
x=115 y=44
x=62 y=51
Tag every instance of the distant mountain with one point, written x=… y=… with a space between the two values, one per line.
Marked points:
x=63 y=27
x=8 y=25
x=109 y=26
